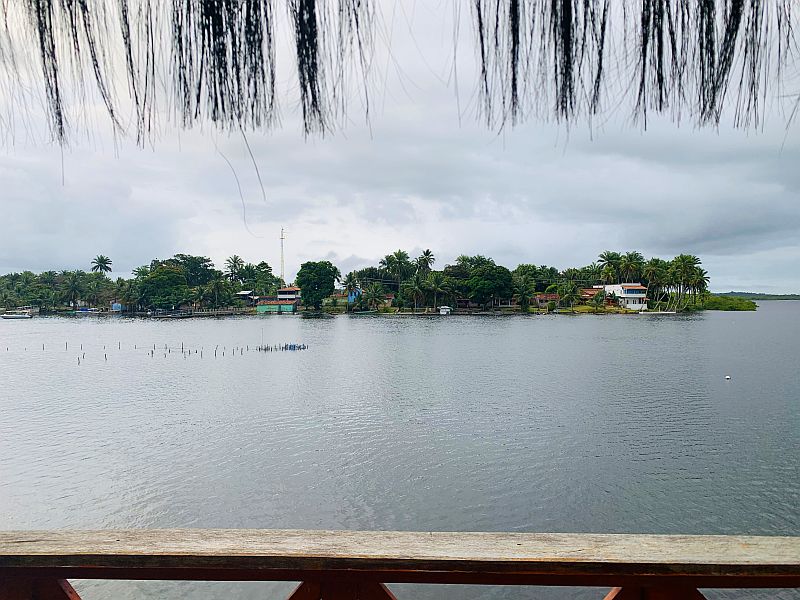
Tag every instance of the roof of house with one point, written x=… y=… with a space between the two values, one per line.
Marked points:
x=633 y=286
x=244 y=293
x=547 y=297
x=275 y=302
x=289 y=288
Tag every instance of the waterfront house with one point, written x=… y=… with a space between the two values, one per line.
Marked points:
x=290 y=292
x=541 y=300
x=247 y=297
x=632 y=296
x=274 y=305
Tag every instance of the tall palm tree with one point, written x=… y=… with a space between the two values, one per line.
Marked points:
x=398 y=265
x=630 y=266
x=92 y=292
x=607 y=274
x=101 y=264
x=233 y=267
x=437 y=284
x=654 y=271
x=416 y=287
x=425 y=261
x=72 y=287
x=610 y=259
x=216 y=288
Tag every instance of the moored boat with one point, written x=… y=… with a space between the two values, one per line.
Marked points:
x=20 y=313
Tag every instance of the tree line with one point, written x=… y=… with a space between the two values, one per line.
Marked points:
x=161 y=284
x=412 y=283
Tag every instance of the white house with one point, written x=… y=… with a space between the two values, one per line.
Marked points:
x=632 y=296
x=291 y=292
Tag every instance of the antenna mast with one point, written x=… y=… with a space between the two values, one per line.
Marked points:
x=283 y=274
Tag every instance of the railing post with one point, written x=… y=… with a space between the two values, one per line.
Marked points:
x=340 y=590
x=37 y=589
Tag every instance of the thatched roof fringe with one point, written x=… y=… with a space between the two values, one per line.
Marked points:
x=536 y=58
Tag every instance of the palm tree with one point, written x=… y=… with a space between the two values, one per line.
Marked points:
x=217 y=287
x=654 y=271
x=351 y=286
x=374 y=295
x=610 y=259
x=92 y=292
x=598 y=300
x=630 y=266
x=568 y=293
x=398 y=265
x=198 y=296
x=416 y=287
x=524 y=289
x=233 y=267
x=607 y=274
x=72 y=287
x=437 y=284
x=425 y=261
x=101 y=264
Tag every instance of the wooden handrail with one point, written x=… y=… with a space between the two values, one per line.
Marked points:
x=370 y=558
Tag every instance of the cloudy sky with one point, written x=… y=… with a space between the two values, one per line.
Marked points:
x=423 y=173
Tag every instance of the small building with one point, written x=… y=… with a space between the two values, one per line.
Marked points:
x=247 y=297
x=632 y=296
x=542 y=300
x=290 y=292
x=276 y=306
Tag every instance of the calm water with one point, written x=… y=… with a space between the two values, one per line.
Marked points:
x=568 y=424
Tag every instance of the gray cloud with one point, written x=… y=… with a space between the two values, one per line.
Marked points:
x=418 y=176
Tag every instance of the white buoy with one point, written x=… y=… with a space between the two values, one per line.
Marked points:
x=727 y=376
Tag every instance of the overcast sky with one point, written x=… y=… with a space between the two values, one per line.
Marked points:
x=420 y=175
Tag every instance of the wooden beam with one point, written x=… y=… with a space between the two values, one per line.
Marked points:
x=652 y=593
x=381 y=556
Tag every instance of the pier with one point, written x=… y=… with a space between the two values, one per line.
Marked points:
x=357 y=565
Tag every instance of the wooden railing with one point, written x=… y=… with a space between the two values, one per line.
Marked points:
x=356 y=565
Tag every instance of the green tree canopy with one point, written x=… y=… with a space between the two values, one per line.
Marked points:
x=164 y=287
x=317 y=281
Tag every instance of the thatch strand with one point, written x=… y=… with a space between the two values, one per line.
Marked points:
x=682 y=55
x=215 y=60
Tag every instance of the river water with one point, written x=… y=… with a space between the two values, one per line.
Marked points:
x=544 y=423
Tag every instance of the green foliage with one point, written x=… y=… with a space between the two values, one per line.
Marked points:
x=760 y=296
x=316 y=281
x=101 y=264
x=199 y=270
x=164 y=287
x=489 y=282
x=715 y=302
x=373 y=295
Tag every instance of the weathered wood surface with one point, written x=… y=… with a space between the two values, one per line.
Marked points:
x=514 y=558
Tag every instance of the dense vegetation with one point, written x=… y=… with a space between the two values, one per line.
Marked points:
x=760 y=296
x=397 y=280
x=718 y=302
x=672 y=284
x=162 y=284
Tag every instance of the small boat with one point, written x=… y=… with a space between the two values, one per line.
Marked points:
x=445 y=310
x=18 y=314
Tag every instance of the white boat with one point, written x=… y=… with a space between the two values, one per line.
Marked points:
x=17 y=314
x=444 y=310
